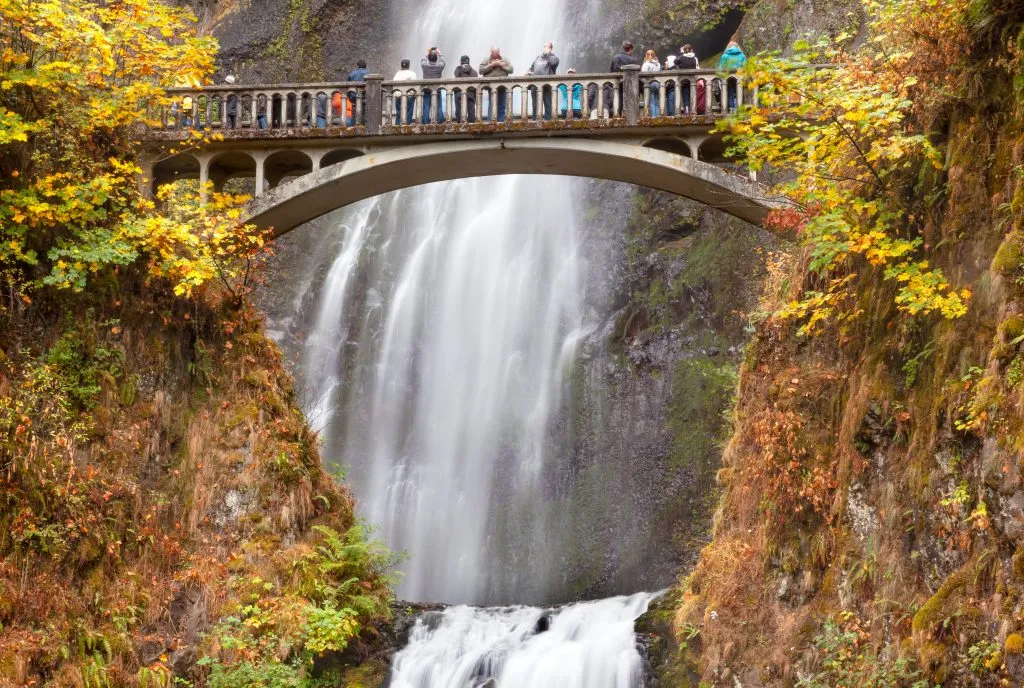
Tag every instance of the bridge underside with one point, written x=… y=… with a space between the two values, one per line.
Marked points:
x=322 y=190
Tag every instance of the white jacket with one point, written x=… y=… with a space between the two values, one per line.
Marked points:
x=652 y=66
x=405 y=75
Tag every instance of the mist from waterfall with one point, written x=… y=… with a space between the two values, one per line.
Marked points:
x=442 y=342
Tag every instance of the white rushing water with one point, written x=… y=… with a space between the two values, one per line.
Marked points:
x=585 y=645
x=441 y=345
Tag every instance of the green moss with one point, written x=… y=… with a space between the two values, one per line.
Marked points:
x=944 y=602
x=1008 y=257
x=1014 y=644
x=1012 y=327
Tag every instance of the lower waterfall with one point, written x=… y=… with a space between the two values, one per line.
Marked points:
x=582 y=645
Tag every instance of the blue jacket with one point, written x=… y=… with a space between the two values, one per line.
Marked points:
x=358 y=74
x=732 y=59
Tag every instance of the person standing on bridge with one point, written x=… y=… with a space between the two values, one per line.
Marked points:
x=465 y=71
x=432 y=67
x=231 y=104
x=357 y=74
x=621 y=59
x=577 y=98
x=652 y=64
x=496 y=67
x=404 y=74
x=687 y=59
x=545 y=64
x=732 y=59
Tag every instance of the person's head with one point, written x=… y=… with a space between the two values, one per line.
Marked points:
x=627 y=47
x=432 y=56
x=229 y=79
x=549 y=47
x=650 y=56
x=686 y=49
x=405 y=64
x=464 y=60
x=733 y=44
x=361 y=64
x=495 y=53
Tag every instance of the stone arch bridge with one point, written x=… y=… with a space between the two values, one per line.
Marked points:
x=312 y=148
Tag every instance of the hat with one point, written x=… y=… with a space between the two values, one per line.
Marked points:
x=230 y=78
x=571 y=70
x=464 y=59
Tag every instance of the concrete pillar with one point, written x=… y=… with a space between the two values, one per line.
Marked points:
x=373 y=102
x=145 y=179
x=204 y=176
x=631 y=93
x=260 y=157
x=315 y=156
x=694 y=143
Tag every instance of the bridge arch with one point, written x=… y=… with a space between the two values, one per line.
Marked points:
x=305 y=198
x=339 y=155
x=289 y=162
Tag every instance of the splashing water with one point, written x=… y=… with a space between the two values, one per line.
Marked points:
x=585 y=645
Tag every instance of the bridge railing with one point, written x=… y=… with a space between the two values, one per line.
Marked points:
x=385 y=106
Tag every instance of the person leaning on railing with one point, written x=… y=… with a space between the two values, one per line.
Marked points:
x=497 y=66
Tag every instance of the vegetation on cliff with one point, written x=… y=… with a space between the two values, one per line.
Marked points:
x=164 y=517
x=870 y=528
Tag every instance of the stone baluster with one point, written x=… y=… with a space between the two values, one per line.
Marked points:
x=739 y=92
x=630 y=99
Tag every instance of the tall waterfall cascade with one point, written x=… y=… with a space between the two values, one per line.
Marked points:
x=439 y=348
x=441 y=343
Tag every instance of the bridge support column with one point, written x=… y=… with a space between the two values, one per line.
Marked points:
x=373 y=105
x=694 y=143
x=204 y=176
x=146 y=177
x=631 y=93
x=261 y=171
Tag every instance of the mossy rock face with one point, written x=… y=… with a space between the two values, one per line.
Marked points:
x=1012 y=327
x=1014 y=644
x=1008 y=257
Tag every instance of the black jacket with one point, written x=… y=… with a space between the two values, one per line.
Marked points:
x=465 y=71
x=622 y=59
x=686 y=62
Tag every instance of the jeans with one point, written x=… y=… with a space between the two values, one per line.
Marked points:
x=232 y=121
x=670 y=99
x=731 y=89
x=542 y=102
x=321 y=121
x=470 y=106
x=261 y=121
x=428 y=98
x=502 y=99
x=653 y=107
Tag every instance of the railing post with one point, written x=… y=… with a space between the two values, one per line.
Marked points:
x=631 y=93
x=373 y=108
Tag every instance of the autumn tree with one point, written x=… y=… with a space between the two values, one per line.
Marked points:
x=77 y=79
x=849 y=142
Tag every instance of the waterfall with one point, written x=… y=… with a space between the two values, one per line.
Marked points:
x=584 y=645
x=441 y=344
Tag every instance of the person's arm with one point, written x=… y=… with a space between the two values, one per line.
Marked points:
x=553 y=61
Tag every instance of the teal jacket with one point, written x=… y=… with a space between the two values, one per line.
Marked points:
x=732 y=59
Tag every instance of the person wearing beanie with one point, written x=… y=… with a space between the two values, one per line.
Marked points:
x=465 y=71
